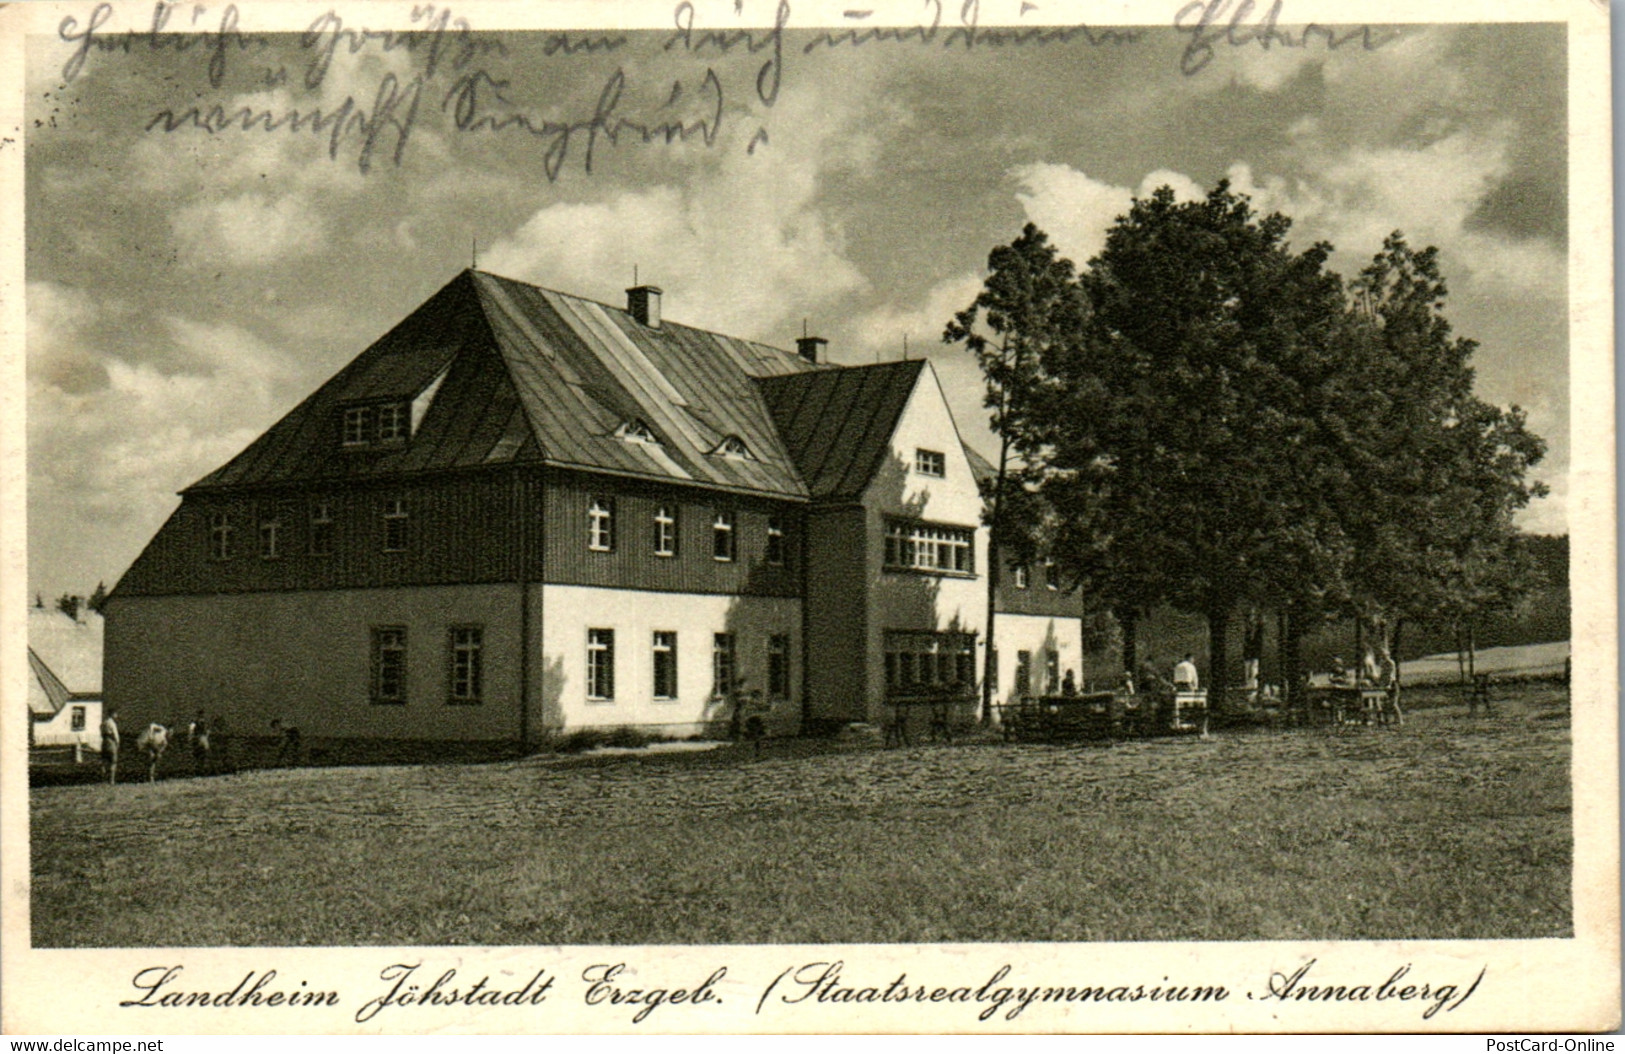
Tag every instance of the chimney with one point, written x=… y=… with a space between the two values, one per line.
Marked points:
x=643 y=304
x=811 y=348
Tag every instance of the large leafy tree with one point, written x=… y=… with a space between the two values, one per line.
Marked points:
x=1190 y=409
x=1435 y=474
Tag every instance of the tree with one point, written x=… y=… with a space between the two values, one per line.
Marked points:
x=98 y=599
x=1029 y=308
x=69 y=605
x=1188 y=412
x=1435 y=475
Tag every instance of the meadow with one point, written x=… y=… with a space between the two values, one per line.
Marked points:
x=1452 y=826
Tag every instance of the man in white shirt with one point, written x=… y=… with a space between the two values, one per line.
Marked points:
x=1185 y=674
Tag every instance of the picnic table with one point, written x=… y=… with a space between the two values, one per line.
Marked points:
x=1101 y=715
x=1340 y=704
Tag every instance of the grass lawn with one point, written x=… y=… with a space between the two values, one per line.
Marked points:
x=1450 y=827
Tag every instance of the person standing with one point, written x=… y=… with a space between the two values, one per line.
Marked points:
x=1185 y=674
x=110 y=745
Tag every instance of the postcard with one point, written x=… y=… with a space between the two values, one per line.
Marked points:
x=757 y=517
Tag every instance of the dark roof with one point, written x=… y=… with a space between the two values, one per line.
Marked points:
x=838 y=424
x=512 y=373
x=980 y=467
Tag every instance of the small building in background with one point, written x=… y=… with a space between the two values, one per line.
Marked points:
x=65 y=679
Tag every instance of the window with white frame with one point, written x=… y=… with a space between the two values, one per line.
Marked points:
x=77 y=720
x=778 y=666
x=722 y=665
x=601 y=524
x=270 y=536
x=395 y=525
x=915 y=546
x=389 y=665
x=722 y=535
x=930 y=463
x=321 y=528
x=1019 y=574
x=394 y=422
x=358 y=426
x=920 y=661
x=219 y=536
x=775 y=540
x=467 y=664
x=666 y=530
x=665 y=664
x=1052 y=576
x=601 y=664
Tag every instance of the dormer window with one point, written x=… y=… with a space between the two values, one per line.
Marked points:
x=358 y=428
x=734 y=447
x=393 y=421
x=376 y=424
x=635 y=431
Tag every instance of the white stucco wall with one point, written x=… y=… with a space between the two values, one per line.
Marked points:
x=305 y=658
x=567 y=612
x=916 y=600
x=1036 y=634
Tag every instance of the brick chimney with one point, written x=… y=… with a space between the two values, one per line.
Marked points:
x=811 y=348
x=643 y=304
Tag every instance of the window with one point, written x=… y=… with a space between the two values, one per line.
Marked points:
x=219 y=536
x=389 y=665
x=722 y=665
x=1024 y=673
x=1020 y=575
x=77 y=719
x=363 y=426
x=394 y=421
x=930 y=463
x=638 y=432
x=733 y=447
x=358 y=426
x=270 y=530
x=665 y=650
x=926 y=547
x=778 y=666
x=321 y=529
x=467 y=666
x=395 y=522
x=1052 y=577
x=601 y=664
x=601 y=525
x=666 y=531
x=919 y=660
x=722 y=536
x=775 y=540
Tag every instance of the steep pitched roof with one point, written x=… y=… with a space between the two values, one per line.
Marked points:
x=65 y=658
x=838 y=424
x=519 y=373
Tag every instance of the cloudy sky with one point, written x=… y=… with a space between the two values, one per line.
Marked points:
x=187 y=288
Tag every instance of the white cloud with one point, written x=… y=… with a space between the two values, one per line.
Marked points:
x=1073 y=208
x=738 y=246
x=882 y=330
x=248 y=229
x=1076 y=210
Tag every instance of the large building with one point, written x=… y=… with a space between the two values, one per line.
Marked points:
x=520 y=513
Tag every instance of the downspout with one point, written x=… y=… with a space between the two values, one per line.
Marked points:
x=524 y=612
x=801 y=593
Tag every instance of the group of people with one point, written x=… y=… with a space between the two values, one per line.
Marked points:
x=1372 y=670
x=209 y=746
x=1148 y=679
